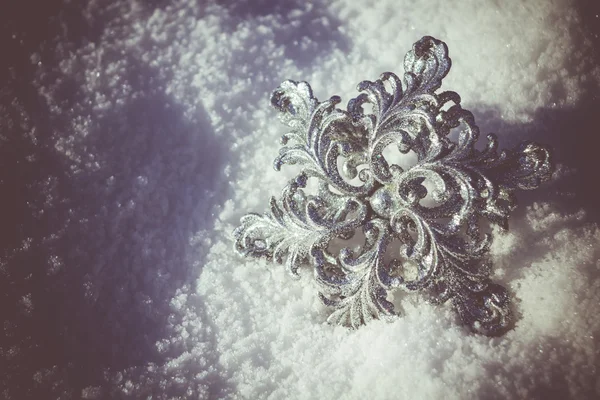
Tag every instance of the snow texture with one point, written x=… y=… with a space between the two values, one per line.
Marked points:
x=135 y=134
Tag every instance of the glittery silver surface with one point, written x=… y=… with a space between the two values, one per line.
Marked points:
x=420 y=227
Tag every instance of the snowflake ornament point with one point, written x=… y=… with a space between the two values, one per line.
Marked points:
x=432 y=208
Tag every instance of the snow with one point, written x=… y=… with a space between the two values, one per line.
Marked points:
x=150 y=135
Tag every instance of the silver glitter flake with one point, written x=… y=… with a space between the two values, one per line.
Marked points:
x=374 y=228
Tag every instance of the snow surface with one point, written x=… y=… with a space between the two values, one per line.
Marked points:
x=136 y=134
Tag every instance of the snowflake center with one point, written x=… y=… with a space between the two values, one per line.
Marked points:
x=385 y=200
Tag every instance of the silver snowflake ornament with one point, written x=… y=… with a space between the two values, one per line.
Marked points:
x=373 y=226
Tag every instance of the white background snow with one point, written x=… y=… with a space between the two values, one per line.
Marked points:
x=134 y=134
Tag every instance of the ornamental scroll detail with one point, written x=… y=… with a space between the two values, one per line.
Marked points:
x=429 y=215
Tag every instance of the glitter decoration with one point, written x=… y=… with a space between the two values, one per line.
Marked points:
x=418 y=227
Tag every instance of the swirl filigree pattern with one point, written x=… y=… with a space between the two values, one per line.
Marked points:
x=434 y=208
